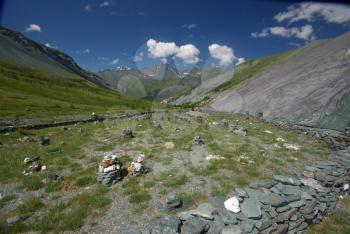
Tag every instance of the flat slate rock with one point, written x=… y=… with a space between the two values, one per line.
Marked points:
x=266 y=183
x=272 y=199
x=195 y=225
x=227 y=216
x=251 y=208
x=215 y=226
x=291 y=190
x=204 y=210
x=166 y=224
x=287 y=180
x=247 y=226
x=232 y=229
x=131 y=231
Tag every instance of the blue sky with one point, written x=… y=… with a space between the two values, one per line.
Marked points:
x=101 y=34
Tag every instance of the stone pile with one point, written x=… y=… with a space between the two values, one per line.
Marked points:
x=34 y=165
x=172 y=202
x=260 y=115
x=109 y=171
x=199 y=119
x=127 y=133
x=240 y=132
x=44 y=141
x=197 y=140
x=284 y=204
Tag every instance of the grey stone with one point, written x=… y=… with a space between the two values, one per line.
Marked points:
x=266 y=183
x=272 y=199
x=306 y=196
x=247 y=226
x=283 y=208
x=12 y=220
x=218 y=202
x=264 y=223
x=166 y=224
x=127 y=133
x=197 y=140
x=297 y=204
x=204 y=210
x=184 y=215
x=292 y=198
x=251 y=208
x=216 y=226
x=44 y=141
x=232 y=229
x=241 y=132
x=282 y=229
x=287 y=180
x=131 y=231
x=241 y=193
x=291 y=190
x=227 y=216
x=172 y=201
x=195 y=225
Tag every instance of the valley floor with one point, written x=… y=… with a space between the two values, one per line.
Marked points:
x=176 y=166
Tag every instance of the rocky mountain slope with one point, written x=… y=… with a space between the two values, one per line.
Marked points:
x=310 y=86
x=21 y=51
x=38 y=81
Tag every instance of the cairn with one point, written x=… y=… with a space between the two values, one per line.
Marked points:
x=199 y=119
x=109 y=171
x=34 y=165
x=137 y=167
x=260 y=115
x=127 y=133
x=197 y=140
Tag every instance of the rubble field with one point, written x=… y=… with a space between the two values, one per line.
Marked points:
x=190 y=158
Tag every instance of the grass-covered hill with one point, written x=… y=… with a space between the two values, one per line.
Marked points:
x=39 y=82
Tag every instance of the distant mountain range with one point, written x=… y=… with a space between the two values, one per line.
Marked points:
x=157 y=82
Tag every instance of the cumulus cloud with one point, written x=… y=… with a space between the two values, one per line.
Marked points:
x=138 y=57
x=50 y=46
x=304 y=33
x=189 y=26
x=188 y=53
x=221 y=52
x=162 y=50
x=240 y=61
x=114 y=62
x=309 y=11
x=105 y=4
x=88 y=8
x=33 y=28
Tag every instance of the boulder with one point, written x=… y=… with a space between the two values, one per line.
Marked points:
x=195 y=225
x=166 y=224
x=204 y=210
x=172 y=201
x=251 y=208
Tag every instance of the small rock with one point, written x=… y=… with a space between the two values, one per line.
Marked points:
x=172 y=201
x=204 y=210
x=12 y=220
x=195 y=225
x=240 y=132
x=44 y=141
x=232 y=229
x=251 y=209
x=166 y=224
x=287 y=180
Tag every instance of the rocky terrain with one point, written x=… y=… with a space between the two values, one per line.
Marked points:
x=310 y=87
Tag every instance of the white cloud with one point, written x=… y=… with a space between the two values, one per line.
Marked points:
x=223 y=53
x=114 y=62
x=162 y=50
x=240 y=61
x=101 y=58
x=189 y=26
x=86 y=51
x=138 y=57
x=188 y=53
x=309 y=11
x=105 y=4
x=33 y=27
x=88 y=8
x=304 y=33
x=50 y=46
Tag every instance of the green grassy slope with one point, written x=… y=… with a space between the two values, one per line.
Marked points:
x=31 y=93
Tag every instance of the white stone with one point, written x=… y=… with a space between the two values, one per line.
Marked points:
x=110 y=168
x=267 y=131
x=232 y=204
x=214 y=157
x=346 y=187
x=280 y=139
x=291 y=146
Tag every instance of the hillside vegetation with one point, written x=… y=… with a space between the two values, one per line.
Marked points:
x=27 y=92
